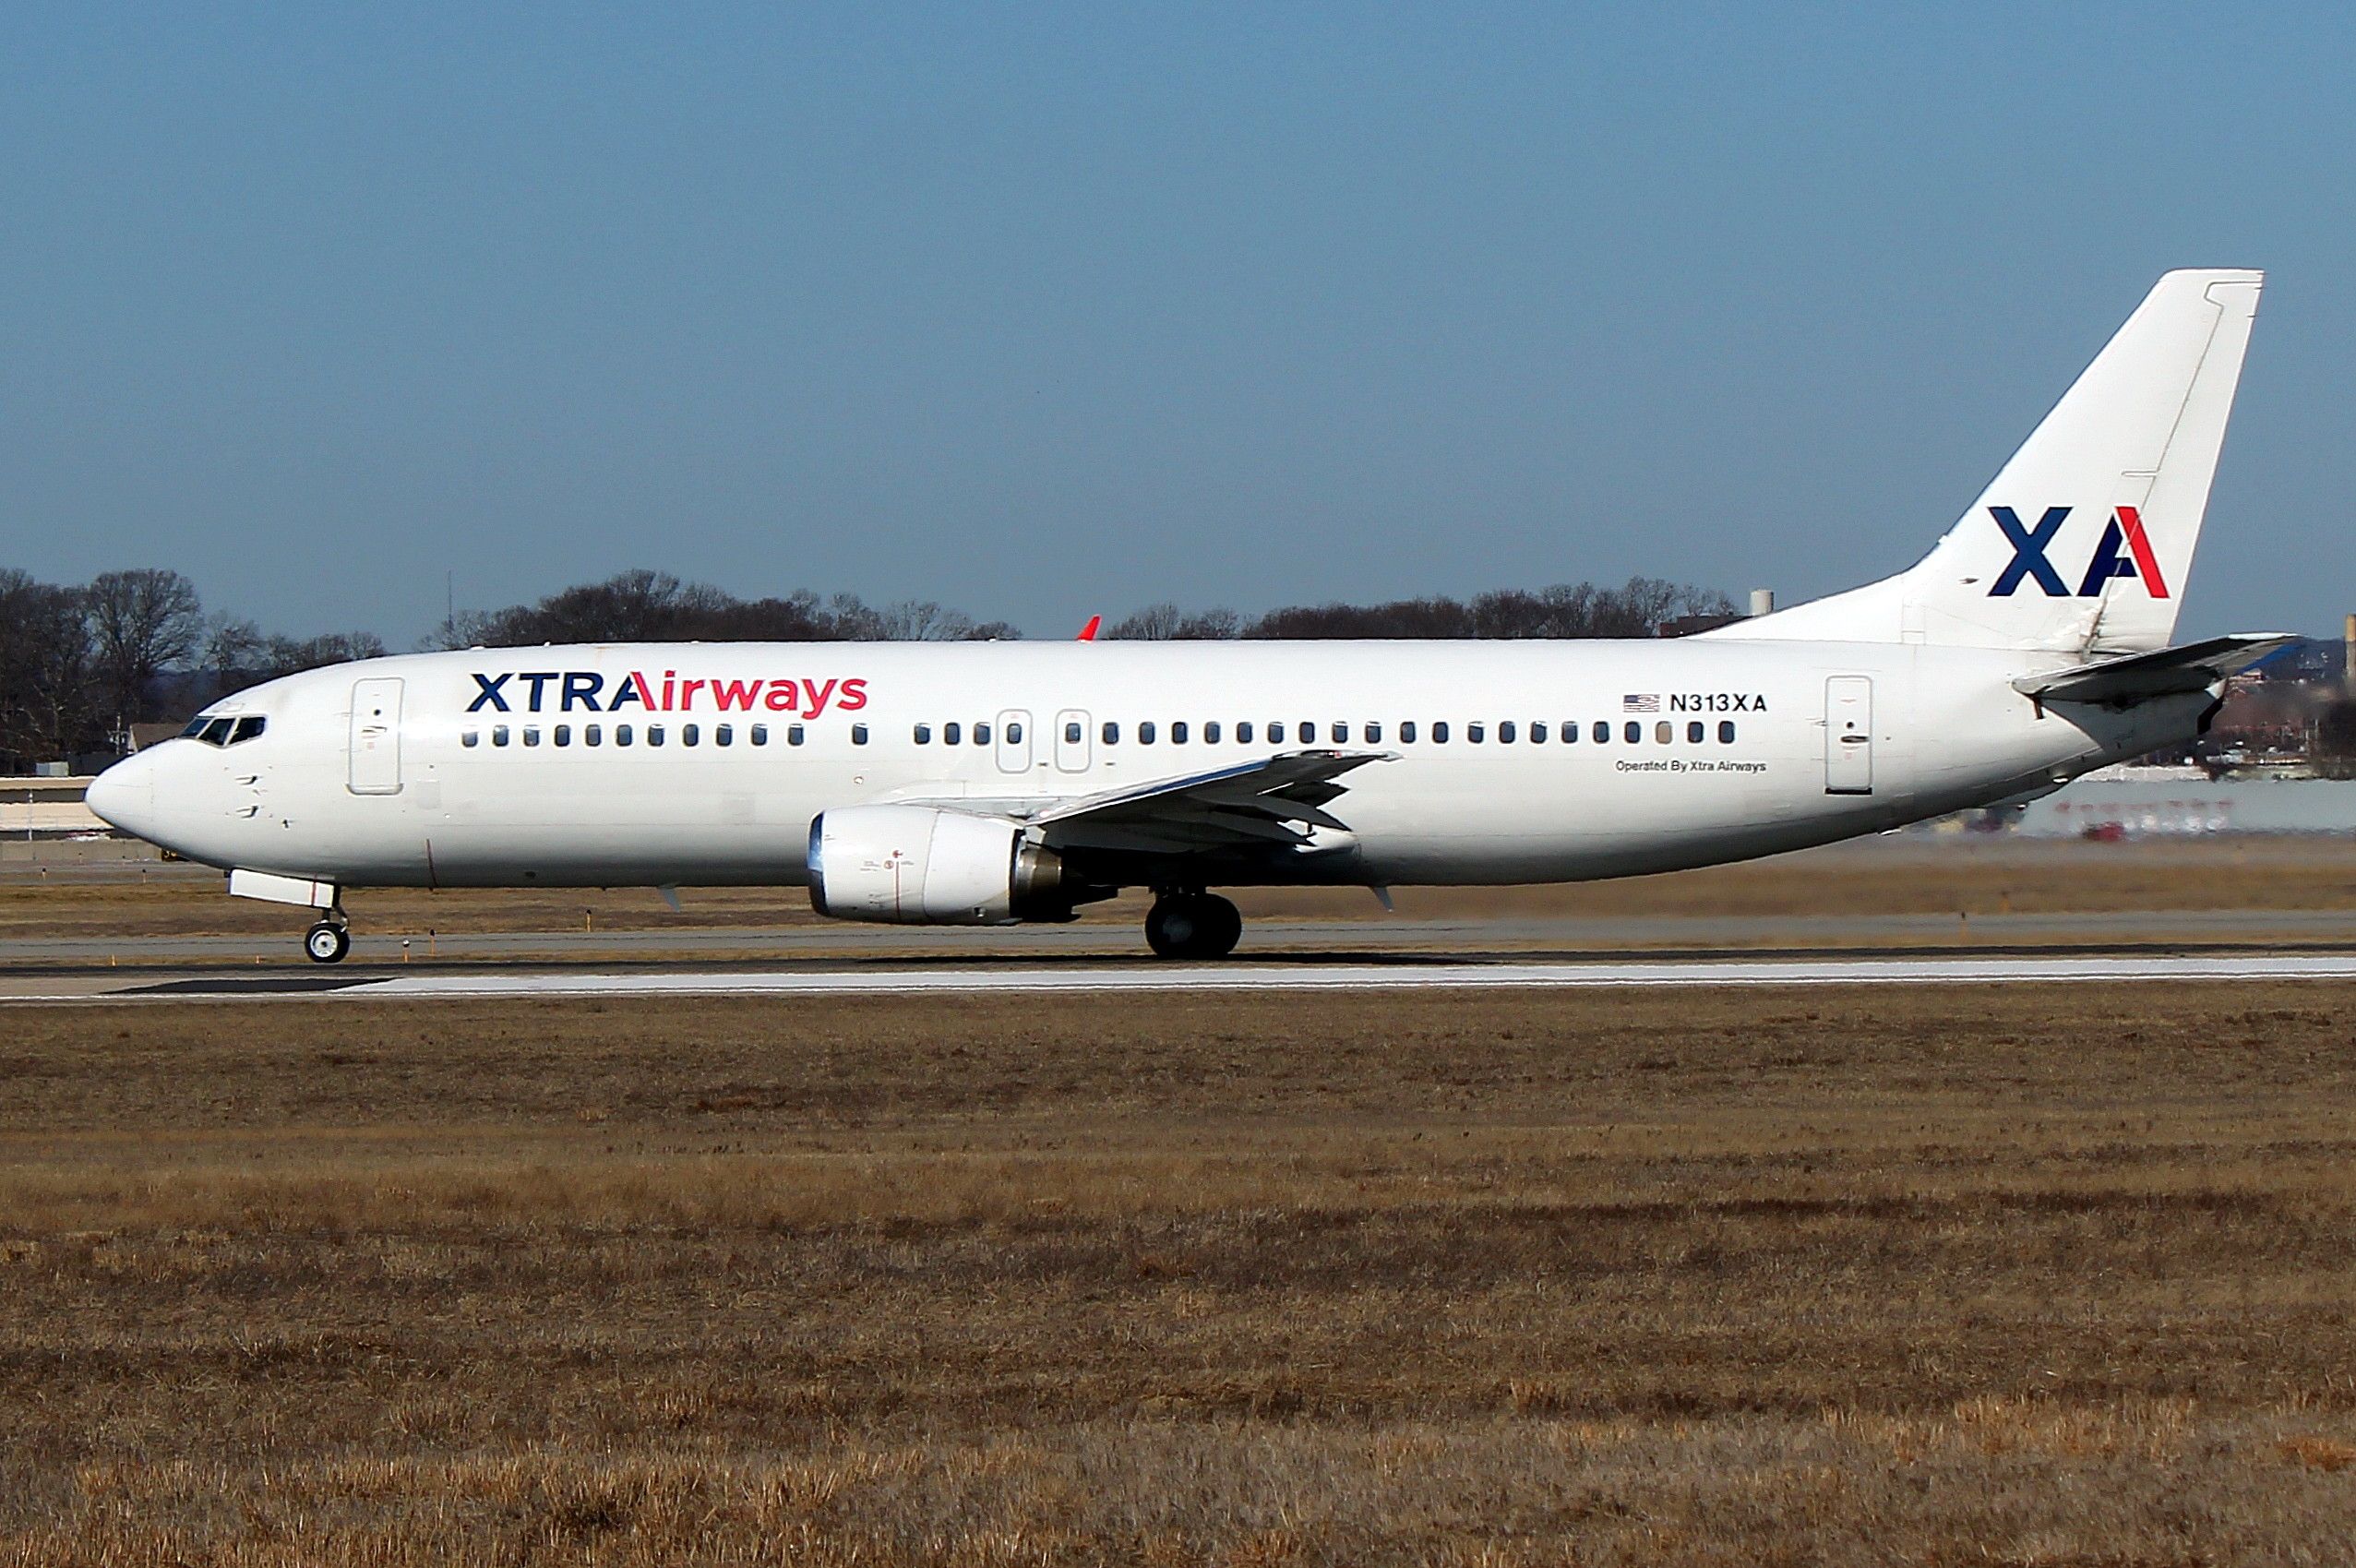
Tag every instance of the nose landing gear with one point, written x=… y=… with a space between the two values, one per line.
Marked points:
x=328 y=941
x=1192 y=925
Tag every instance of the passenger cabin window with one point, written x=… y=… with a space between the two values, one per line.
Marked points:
x=1243 y=733
x=563 y=735
x=1505 y=732
x=593 y=735
x=471 y=737
x=1475 y=732
x=532 y=734
x=1144 y=732
x=1439 y=732
x=1013 y=732
x=924 y=734
x=953 y=733
x=1211 y=731
x=1662 y=731
x=793 y=734
x=655 y=734
x=1341 y=732
x=1693 y=729
x=1072 y=732
x=760 y=735
x=858 y=734
x=499 y=735
x=691 y=734
x=981 y=734
x=1407 y=732
x=1374 y=731
x=1537 y=731
x=1112 y=732
x=1602 y=731
x=724 y=735
x=1632 y=732
x=1725 y=732
x=1276 y=733
x=621 y=734
x=1177 y=731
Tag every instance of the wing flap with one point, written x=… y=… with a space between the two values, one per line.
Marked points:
x=1270 y=802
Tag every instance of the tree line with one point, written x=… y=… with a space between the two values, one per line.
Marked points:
x=80 y=665
x=653 y=606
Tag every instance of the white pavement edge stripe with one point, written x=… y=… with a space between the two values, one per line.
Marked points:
x=1271 y=977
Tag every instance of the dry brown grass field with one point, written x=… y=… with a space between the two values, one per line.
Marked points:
x=1944 y=1277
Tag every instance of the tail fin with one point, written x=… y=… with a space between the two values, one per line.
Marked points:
x=2083 y=542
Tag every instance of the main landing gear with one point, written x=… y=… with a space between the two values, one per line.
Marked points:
x=328 y=941
x=1192 y=925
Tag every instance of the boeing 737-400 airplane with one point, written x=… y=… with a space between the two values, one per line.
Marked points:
x=986 y=784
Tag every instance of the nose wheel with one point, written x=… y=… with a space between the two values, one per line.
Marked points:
x=328 y=941
x=1192 y=925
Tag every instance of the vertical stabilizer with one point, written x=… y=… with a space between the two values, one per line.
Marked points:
x=2084 y=539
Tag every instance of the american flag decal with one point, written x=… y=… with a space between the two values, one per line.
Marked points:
x=1641 y=702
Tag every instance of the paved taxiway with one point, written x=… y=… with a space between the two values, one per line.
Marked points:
x=1002 y=978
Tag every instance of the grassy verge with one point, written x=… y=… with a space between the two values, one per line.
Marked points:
x=2024 y=1276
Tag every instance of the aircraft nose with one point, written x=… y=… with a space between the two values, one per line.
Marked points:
x=124 y=796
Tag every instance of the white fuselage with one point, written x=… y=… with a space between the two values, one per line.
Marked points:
x=403 y=771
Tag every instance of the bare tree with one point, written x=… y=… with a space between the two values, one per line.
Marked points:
x=233 y=648
x=1166 y=622
x=141 y=623
x=45 y=710
x=287 y=655
x=922 y=620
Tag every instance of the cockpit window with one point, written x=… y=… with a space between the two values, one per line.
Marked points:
x=224 y=730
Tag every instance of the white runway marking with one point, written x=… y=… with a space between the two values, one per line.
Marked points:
x=1150 y=977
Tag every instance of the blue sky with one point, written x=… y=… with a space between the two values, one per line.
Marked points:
x=1041 y=311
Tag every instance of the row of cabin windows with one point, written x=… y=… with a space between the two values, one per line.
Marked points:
x=627 y=735
x=954 y=733
x=1477 y=732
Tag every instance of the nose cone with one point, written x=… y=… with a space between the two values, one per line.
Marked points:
x=124 y=796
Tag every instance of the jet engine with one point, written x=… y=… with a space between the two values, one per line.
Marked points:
x=922 y=865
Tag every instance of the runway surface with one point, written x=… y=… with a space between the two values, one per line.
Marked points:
x=1058 y=980
x=1537 y=937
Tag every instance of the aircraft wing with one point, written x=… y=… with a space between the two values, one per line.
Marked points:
x=1268 y=803
x=2169 y=672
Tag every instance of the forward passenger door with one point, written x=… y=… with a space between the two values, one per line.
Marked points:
x=375 y=736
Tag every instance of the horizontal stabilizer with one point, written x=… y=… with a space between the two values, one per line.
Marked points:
x=2169 y=672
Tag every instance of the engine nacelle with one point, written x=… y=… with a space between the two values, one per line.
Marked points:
x=921 y=866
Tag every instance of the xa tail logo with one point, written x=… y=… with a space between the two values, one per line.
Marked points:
x=2125 y=551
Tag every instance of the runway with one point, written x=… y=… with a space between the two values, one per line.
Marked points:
x=1033 y=979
